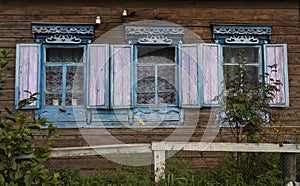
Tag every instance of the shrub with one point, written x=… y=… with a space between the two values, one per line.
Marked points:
x=20 y=160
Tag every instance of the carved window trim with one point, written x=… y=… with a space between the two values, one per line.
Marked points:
x=241 y=34
x=65 y=33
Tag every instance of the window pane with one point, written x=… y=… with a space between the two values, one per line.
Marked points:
x=166 y=78
x=156 y=55
x=53 y=79
x=166 y=98
x=248 y=54
x=146 y=78
x=53 y=99
x=145 y=98
x=230 y=74
x=156 y=73
x=233 y=56
x=75 y=85
x=253 y=74
x=64 y=55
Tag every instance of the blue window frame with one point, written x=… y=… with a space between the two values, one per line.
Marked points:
x=233 y=55
x=155 y=76
x=64 y=69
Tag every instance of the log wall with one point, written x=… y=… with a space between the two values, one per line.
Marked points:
x=15 y=27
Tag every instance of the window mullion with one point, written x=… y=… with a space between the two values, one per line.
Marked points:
x=64 y=84
x=156 y=84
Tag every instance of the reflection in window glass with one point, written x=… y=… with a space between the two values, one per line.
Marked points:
x=64 y=76
x=233 y=56
x=156 y=76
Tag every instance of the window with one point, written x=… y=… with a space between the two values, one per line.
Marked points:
x=156 y=73
x=155 y=76
x=64 y=78
x=250 y=44
x=235 y=55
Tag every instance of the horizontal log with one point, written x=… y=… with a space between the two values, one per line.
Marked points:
x=226 y=147
x=100 y=150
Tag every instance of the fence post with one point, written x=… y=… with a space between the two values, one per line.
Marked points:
x=288 y=164
x=159 y=156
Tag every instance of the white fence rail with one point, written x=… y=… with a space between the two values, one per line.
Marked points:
x=158 y=149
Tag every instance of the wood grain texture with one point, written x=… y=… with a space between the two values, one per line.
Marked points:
x=189 y=75
x=121 y=73
x=28 y=71
x=276 y=69
x=210 y=76
x=97 y=74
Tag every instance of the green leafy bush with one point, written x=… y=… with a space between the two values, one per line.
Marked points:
x=21 y=161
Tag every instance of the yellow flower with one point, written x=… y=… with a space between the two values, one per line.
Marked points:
x=276 y=130
x=141 y=122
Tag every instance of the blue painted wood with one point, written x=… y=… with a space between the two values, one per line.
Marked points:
x=276 y=54
x=64 y=70
x=98 y=76
x=155 y=66
x=28 y=67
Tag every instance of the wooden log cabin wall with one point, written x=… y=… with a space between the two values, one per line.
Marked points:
x=16 y=18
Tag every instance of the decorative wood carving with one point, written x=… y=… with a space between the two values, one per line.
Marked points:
x=63 y=33
x=154 y=34
x=241 y=34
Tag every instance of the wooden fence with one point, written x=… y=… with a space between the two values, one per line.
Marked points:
x=158 y=149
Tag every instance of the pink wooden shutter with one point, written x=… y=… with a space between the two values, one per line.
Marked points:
x=98 y=80
x=210 y=73
x=275 y=57
x=189 y=65
x=27 y=73
x=121 y=76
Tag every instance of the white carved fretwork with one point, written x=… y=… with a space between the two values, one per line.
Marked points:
x=155 y=39
x=241 y=40
x=63 y=38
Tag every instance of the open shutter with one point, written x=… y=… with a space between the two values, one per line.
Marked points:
x=27 y=73
x=189 y=76
x=98 y=76
x=121 y=72
x=275 y=58
x=211 y=73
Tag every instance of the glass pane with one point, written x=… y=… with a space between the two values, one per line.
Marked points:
x=156 y=55
x=74 y=99
x=53 y=99
x=248 y=54
x=53 y=79
x=145 y=98
x=64 y=55
x=75 y=85
x=166 y=78
x=166 y=98
x=146 y=78
x=252 y=73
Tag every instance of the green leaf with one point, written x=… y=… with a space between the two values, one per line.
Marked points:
x=2 y=180
x=28 y=180
x=19 y=174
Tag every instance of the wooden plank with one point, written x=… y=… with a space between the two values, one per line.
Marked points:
x=189 y=75
x=122 y=75
x=155 y=3
x=275 y=67
x=159 y=164
x=226 y=147
x=29 y=66
x=97 y=74
x=210 y=74
x=101 y=150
